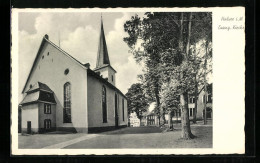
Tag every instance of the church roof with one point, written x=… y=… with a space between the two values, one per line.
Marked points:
x=92 y=73
x=39 y=93
x=42 y=86
x=39 y=86
x=102 y=55
x=105 y=65
x=45 y=39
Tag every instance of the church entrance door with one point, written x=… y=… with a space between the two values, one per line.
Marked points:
x=29 y=128
x=116 y=113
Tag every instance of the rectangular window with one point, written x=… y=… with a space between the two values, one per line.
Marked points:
x=190 y=111
x=47 y=123
x=179 y=112
x=123 y=109
x=47 y=108
x=209 y=99
x=192 y=100
x=193 y=111
x=203 y=98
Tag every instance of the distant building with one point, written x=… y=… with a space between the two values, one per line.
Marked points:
x=134 y=120
x=200 y=106
x=151 y=119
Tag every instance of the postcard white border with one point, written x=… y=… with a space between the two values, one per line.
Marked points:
x=228 y=87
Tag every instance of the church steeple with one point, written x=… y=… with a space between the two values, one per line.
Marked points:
x=102 y=55
x=103 y=67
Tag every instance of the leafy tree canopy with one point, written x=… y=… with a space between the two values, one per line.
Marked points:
x=137 y=102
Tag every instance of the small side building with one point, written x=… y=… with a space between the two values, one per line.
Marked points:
x=38 y=107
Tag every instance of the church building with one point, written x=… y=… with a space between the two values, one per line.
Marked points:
x=63 y=94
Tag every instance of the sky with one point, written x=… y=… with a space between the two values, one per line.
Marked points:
x=78 y=33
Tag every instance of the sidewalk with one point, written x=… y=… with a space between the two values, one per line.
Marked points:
x=70 y=142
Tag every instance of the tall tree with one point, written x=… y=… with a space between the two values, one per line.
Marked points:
x=137 y=102
x=155 y=34
x=166 y=41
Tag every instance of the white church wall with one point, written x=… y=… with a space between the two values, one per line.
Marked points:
x=110 y=74
x=50 y=70
x=120 y=110
x=103 y=72
x=95 y=116
x=30 y=113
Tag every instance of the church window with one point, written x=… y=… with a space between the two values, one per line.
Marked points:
x=43 y=57
x=104 y=104
x=123 y=109
x=48 y=53
x=67 y=103
x=66 y=71
x=47 y=108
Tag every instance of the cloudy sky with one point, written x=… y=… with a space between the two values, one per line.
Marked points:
x=78 y=34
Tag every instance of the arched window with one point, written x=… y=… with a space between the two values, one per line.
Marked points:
x=104 y=104
x=67 y=103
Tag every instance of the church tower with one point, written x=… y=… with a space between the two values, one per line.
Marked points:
x=103 y=66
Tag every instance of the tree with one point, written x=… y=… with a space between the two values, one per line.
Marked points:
x=170 y=100
x=167 y=40
x=155 y=35
x=137 y=102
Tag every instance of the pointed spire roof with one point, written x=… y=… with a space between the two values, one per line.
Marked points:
x=102 y=56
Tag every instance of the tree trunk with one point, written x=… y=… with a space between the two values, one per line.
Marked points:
x=195 y=111
x=170 y=121
x=196 y=103
x=181 y=33
x=163 y=117
x=185 y=121
x=205 y=85
x=157 y=103
x=188 y=39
